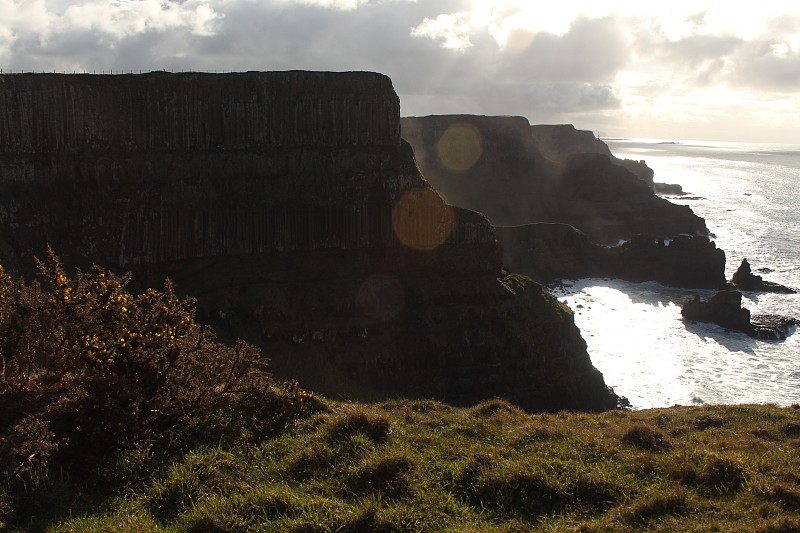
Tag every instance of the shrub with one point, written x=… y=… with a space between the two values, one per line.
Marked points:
x=87 y=368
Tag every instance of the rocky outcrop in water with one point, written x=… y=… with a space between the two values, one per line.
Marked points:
x=668 y=188
x=548 y=252
x=745 y=280
x=288 y=204
x=494 y=165
x=725 y=309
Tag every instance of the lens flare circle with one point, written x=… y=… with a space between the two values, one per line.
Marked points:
x=421 y=219
x=460 y=147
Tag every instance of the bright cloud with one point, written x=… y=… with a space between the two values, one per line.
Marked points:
x=124 y=19
x=452 y=31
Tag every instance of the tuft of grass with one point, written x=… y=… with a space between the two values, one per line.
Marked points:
x=497 y=406
x=353 y=422
x=646 y=437
x=242 y=511
x=465 y=481
x=528 y=495
x=597 y=493
x=791 y=430
x=312 y=461
x=387 y=475
x=706 y=422
x=722 y=474
x=201 y=473
x=782 y=525
x=786 y=496
x=657 y=506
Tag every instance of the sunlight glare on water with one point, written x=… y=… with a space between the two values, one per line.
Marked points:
x=748 y=195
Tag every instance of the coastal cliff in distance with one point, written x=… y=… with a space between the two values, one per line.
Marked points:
x=496 y=165
x=288 y=204
x=558 y=142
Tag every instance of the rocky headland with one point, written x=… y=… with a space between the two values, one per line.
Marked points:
x=557 y=142
x=562 y=201
x=289 y=205
x=497 y=166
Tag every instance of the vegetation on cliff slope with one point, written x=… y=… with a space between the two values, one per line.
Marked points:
x=88 y=370
x=174 y=432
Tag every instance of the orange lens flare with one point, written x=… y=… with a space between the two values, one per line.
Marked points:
x=421 y=219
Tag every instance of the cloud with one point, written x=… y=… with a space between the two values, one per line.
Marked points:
x=451 y=30
x=593 y=50
x=617 y=60
x=85 y=35
x=769 y=65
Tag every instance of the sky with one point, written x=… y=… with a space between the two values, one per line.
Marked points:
x=705 y=70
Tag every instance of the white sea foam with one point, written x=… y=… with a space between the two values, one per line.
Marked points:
x=750 y=195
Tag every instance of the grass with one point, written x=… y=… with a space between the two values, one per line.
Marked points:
x=425 y=466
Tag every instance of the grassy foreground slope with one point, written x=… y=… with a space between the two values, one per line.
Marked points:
x=425 y=466
x=119 y=413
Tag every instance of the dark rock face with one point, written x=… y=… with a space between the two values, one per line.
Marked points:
x=745 y=280
x=559 y=141
x=154 y=168
x=725 y=309
x=612 y=203
x=495 y=166
x=289 y=206
x=772 y=327
x=548 y=252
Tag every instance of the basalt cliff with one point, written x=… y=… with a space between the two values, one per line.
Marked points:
x=560 y=200
x=289 y=205
x=516 y=175
x=557 y=142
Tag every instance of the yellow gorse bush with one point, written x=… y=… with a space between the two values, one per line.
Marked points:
x=97 y=367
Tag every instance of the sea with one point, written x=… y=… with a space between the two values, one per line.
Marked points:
x=749 y=195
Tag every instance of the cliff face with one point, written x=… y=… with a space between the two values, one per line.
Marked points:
x=504 y=175
x=558 y=142
x=289 y=205
x=154 y=168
